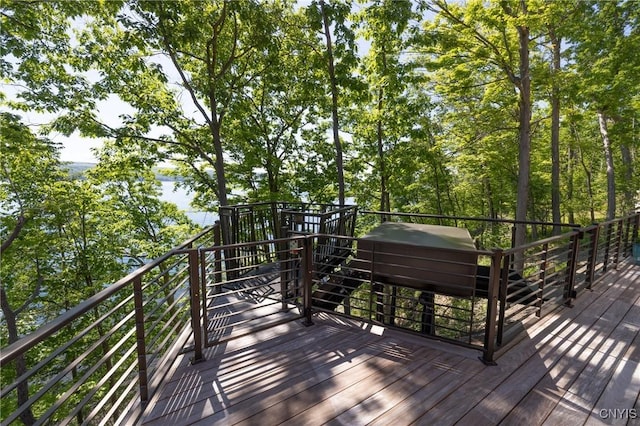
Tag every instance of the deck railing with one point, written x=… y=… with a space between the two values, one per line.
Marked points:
x=118 y=345
x=125 y=337
x=265 y=221
x=265 y=291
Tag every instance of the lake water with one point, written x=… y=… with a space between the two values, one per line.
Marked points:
x=182 y=198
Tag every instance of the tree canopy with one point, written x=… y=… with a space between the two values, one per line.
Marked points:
x=524 y=109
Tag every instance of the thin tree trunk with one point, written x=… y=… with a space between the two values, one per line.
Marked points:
x=492 y=211
x=611 y=182
x=570 y=170
x=555 y=134
x=438 y=184
x=20 y=363
x=334 y=104
x=384 y=191
x=524 y=131
x=588 y=175
x=220 y=174
x=627 y=163
x=385 y=204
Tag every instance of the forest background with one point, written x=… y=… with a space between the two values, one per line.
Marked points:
x=525 y=109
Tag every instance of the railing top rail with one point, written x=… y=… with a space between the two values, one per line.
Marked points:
x=543 y=241
x=618 y=219
x=286 y=205
x=238 y=245
x=478 y=219
x=236 y=206
x=341 y=209
x=327 y=208
x=27 y=342
x=193 y=239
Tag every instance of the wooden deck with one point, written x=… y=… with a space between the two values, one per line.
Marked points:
x=576 y=366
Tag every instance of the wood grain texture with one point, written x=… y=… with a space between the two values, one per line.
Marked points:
x=563 y=370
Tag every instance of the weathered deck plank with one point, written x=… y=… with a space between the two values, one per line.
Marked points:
x=465 y=398
x=568 y=367
x=556 y=378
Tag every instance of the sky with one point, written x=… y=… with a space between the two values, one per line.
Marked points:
x=79 y=149
x=76 y=148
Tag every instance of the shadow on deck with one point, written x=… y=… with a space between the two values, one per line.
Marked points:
x=577 y=365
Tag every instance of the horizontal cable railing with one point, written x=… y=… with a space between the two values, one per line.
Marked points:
x=434 y=293
x=123 y=340
x=535 y=279
x=97 y=362
x=250 y=286
x=425 y=293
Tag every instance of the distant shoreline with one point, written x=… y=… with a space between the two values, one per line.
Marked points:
x=78 y=168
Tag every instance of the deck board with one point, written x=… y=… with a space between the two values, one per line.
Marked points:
x=564 y=369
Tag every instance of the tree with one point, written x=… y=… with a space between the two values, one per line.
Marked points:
x=333 y=82
x=29 y=167
x=384 y=25
x=147 y=226
x=392 y=148
x=331 y=20
x=495 y=37
x=275 y=108
x=65 y=238
x=220 y=55
x=604 y=34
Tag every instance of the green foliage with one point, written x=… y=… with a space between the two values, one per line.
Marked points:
x=236 y=95
x=65 y=239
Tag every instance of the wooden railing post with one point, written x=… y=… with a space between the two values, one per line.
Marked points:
x=143 y=379
x=492 y=305
x=572 y=267
x=542 y=278
x=196 y=321
x=307 y=279
x=594 y=234
x=618 y=243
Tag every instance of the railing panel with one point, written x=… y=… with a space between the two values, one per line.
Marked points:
x=545 y=282
x=101 y=358
x=244 y=292
x=377 y=286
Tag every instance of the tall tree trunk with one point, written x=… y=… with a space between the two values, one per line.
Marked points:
x=220 y=174
x=555 y=133
x=11 y=319
x=490 y=205
x=627 y=163
x=22 y=390
x=524 y=134
x=608 y=156
x=334 y=103
x=570 y=170
x=221 y=181
x=588 y=174
x=385 y=203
